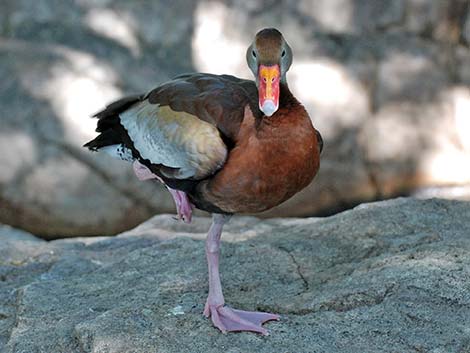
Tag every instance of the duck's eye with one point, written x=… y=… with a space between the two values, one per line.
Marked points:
x=283 y=54
x=253 y=53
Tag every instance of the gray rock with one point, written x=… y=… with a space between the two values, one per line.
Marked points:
x=466 y=28
x=463 y=58
x=342 y=16
x=410 y=71
x=50 y=185
x=384 y=277
x=422 y=16
x=59 y=64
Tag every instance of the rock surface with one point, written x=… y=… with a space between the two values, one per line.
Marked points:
x=392 y=276
x=385 y=82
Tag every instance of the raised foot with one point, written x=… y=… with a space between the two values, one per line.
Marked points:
x=143 y=173
x=227 y=319
x=184 y=207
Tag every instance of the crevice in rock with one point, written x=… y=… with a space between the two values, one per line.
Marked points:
x=17 y=305
x=356 y=300
x=344 y=303
x=439 y=298
x=80 y=344
x=388 y=291
x=297 y=266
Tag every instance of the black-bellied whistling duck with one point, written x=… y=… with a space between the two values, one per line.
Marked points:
x=223 y=144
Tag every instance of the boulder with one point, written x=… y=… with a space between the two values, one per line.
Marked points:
x=52 y=82
x=386 y=83
x=390 y=276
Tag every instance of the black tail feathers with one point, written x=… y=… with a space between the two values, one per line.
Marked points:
x=109 y=125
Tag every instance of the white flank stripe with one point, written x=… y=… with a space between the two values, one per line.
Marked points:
x=119 y=152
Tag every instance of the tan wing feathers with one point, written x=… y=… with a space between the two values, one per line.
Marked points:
x=175 y=139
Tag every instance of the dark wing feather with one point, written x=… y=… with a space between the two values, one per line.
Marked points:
x=320 y=140
x=109 y=127
x=217 y=100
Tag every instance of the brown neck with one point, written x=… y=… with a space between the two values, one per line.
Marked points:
x=286 y=98
x=290 y=109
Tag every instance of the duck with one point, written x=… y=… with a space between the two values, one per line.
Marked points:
x=221 y=144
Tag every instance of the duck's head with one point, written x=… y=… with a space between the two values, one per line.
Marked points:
x=269 y=57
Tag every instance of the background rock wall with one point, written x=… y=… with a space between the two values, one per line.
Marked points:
x=386 y=83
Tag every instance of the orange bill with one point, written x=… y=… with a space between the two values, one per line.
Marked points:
x=268 y=88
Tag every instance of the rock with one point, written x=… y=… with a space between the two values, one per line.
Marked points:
x=463 y=58
x=362 y=68
x=53 y=81
x=409 y=72
x=466 y=29
x=342 y=16
x=422 y=16
x=389 y=276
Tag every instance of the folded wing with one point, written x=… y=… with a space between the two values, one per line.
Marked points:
x=182 y=130
x=187 y=145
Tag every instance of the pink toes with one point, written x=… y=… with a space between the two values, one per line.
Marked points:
x=256 y=316
x=227 y=319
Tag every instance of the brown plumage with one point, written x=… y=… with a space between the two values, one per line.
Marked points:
x=223 y=144
x=283 y=147
x=272 y=160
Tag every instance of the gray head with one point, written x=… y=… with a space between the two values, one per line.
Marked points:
x=269 y=57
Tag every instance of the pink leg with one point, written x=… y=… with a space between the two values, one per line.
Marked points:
x=183 y=205
x=143 y=173
x=223 y=317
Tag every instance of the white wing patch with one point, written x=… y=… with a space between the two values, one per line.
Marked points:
x=175 y=139
x=118 y=151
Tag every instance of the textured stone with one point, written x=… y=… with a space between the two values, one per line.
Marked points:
x=391 y=277
x=463 y=59
x=466 y=28
x=422 y=15
x=49 y=184
x=409 y=71
x=343 y=16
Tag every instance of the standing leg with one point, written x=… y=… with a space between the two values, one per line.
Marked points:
x=223 y=317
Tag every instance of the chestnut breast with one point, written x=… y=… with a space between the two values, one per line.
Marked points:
x=273 y=159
